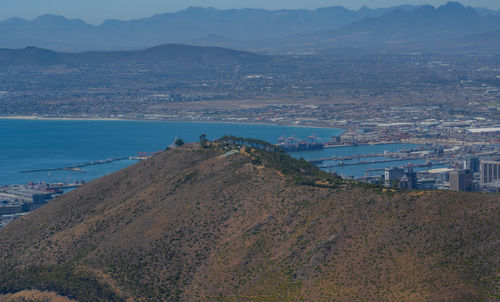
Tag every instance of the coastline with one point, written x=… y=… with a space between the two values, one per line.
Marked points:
x=36 y=118
x=106 y=119
x=171 y=127
x=123 y=144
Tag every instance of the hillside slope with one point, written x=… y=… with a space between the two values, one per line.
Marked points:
x=193 y=225
x=172 y=54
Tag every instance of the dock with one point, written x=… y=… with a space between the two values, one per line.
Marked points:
x=342 y=158
x=396 y=155
x=408 y=166
x=54 y=169
x=78 y=167
x=366 y=162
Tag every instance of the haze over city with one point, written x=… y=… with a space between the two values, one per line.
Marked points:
x=96 y=11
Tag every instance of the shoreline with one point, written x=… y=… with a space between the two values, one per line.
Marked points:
x=104 y=119
x=38 y=118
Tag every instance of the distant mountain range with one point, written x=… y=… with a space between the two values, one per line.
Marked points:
x=255 y=29
x=425 y=24
x=486 y=11
x=194 y=23
x=180 y=55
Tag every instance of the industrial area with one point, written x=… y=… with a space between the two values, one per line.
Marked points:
x=18 y=200
x=429 y=166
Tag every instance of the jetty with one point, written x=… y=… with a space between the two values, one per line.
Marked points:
x=78 y=167
x=341 y=164
x=429 y=164
x=408 y=155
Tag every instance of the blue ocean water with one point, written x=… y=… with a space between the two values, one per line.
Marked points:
x=42 y=144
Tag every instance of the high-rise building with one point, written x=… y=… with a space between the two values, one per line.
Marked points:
x=490 y=172
x=461 y=180
x=393 y=175
x=409 y=180
x=493 y=187
x=472 y=163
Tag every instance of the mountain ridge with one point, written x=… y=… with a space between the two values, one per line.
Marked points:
x=196 y=223
x=183 y=26
x=398 y=27
x=175 y=54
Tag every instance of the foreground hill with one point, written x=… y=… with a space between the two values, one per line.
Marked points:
x=173 y=54
x=197 y=224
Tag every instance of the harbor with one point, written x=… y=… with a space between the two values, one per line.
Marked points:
x=342 y=164
x=412 y=166
x=18 y=200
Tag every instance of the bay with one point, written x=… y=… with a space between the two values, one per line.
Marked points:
x=44 y=144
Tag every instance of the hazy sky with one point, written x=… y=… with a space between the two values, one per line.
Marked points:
x=94 y=11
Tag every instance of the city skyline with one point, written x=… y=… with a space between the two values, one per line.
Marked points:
x=95 y=12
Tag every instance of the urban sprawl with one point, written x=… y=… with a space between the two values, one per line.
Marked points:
x=447 y=105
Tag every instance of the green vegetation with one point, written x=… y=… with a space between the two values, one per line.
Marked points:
x=204 y=141
x=179 y=142
x=272 y=156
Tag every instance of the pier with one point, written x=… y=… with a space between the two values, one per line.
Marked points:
x=408 y=166
x=72 y=169
x=397 y=155
x=366 y=162
x=342 y=158
x=394 y=156
x=78 y=167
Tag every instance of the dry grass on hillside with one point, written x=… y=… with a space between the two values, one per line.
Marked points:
x=191 y=225
x=34 y=296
